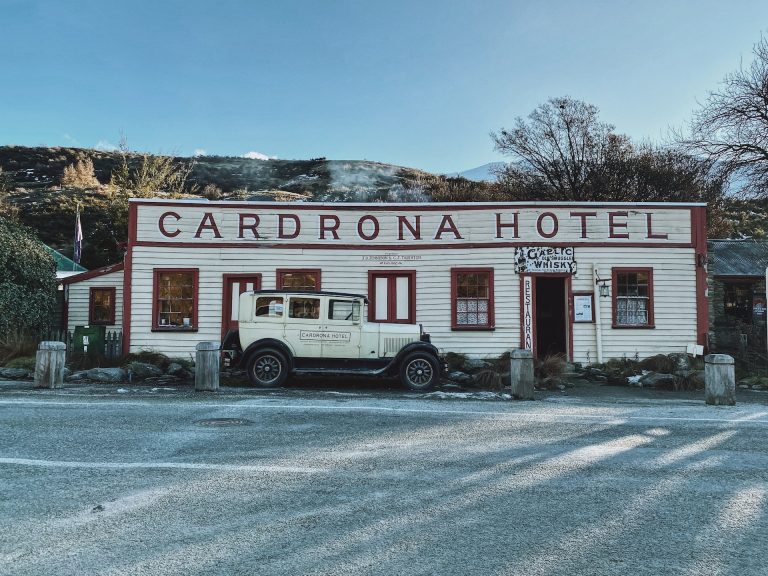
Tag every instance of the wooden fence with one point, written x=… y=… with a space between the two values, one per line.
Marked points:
x=113 y=341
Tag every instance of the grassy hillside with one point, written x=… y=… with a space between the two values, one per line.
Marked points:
x=34 y=177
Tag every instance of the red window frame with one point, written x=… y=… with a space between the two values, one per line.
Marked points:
x=92 y=305
x=455 y=272
x=156 y=272
x=615 y=295
x=281 y=273
x=391 y=298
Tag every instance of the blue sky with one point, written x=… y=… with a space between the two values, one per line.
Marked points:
x=415 y=83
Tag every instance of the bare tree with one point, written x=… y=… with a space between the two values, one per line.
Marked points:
x=563 y=152
x=559 y=151
x=731 y=126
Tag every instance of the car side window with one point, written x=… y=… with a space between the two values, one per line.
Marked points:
x=269 y=306
x=307 y=308
x=344 y=310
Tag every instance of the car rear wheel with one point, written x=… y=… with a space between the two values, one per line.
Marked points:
x=267 y=368
x=419 y=371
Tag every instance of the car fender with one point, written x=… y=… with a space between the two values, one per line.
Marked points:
x=269 y=343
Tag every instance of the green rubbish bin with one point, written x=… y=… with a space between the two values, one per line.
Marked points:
x=89 y=340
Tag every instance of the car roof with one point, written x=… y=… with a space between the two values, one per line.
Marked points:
x=309 y=293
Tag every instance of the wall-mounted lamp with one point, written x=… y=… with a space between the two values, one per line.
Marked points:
x=603 y=287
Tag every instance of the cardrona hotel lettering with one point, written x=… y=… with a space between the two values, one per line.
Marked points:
x=502 y=226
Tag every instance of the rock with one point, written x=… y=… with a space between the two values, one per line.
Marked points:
x=460 y=377
x=107 y=374
x=561 y=387
x=14 y=373
x=174 y=369
x=142 y=370
x=67 y=373
x=656 y=380
x=78 y=375
x=682 y=361
x=745 y=386
x=475 y=364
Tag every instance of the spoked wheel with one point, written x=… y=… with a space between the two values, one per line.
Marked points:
x=419 y=371
x=267 y=369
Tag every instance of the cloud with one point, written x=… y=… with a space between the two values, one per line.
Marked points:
x=258 y=156
x=199 y=152
x=105 y=146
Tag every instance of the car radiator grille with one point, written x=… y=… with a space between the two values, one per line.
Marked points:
x=393 y=345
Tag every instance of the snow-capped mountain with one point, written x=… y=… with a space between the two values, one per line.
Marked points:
x=484 y=173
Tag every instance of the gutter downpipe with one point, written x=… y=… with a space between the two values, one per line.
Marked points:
x=598 y=320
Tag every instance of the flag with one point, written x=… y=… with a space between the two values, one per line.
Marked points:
x=78 y=239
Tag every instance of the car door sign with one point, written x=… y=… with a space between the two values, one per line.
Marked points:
x=324 y=336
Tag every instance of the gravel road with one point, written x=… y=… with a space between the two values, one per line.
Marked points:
x=364 y=484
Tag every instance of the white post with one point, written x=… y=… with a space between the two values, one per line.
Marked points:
x=49 y=365
x=521 y=374
x=207 y=361
x=598 y=320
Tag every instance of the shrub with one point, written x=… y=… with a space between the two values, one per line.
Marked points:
x=27 y=284
x=212 y=192
x=549 y=370
x=80 y=175
x=15 y=343
x=24 y=362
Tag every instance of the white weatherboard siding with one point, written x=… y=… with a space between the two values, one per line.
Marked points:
x=345 y=271
x=79 y=303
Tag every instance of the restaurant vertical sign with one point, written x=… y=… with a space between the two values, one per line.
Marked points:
x=528 y=312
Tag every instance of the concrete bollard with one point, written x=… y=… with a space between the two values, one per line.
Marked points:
x=49 y=364
x=207 y=362
x=719 y=380
x=521 y=374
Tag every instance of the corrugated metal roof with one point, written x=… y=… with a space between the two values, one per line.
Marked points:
x=738 y=257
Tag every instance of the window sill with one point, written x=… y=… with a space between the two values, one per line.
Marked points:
x=633 y=327
x=473 y=328
x=173 y=329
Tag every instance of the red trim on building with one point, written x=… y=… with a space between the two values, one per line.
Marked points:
x=155 y=295
x=128 y=275
x=226 y=300
x=419 y=207
x=91 y=311
x=614 y=297
x=454 y=291
x=281 y=272
x=413 y=246
x=392 y=295
x=702 y=307
x=92 y=273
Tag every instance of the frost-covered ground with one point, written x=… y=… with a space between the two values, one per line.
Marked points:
x=96 y=481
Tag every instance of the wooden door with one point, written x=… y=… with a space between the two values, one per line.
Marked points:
x=392 y=296
x=234 y=285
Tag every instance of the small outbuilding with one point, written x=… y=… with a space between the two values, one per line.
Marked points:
x=737 y=300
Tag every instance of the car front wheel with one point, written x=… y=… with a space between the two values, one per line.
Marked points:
x=419 y=371
x=267 y=369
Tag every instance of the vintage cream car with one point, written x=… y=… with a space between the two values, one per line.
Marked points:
x=285 y=332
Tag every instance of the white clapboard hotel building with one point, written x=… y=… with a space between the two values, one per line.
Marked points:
x=592 y=281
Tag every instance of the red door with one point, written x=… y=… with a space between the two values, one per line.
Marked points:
x=234 y=285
